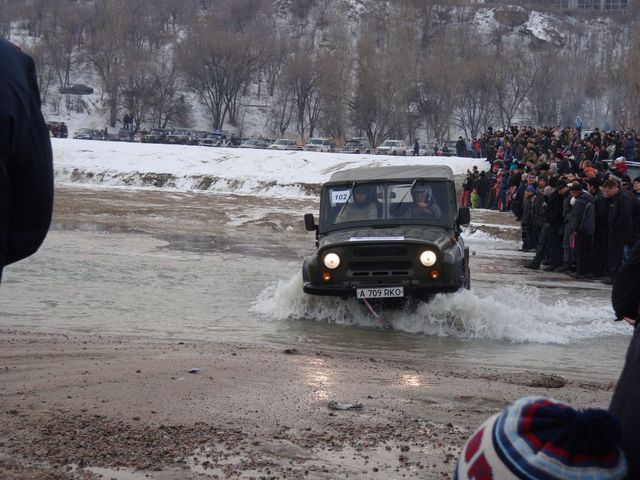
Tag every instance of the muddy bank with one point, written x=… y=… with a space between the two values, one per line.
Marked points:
x=75 y=406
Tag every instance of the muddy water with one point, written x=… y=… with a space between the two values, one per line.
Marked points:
x=199 y=267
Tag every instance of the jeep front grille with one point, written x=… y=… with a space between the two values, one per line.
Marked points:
x=379 y=269
x=380 y=251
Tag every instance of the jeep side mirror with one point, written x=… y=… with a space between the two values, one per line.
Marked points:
x=464 y=216
x=310 y=223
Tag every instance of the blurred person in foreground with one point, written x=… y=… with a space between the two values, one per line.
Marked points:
x=543 y=439
x=625 y=299
x=26 y=166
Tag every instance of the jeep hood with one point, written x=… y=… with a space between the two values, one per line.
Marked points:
x=437 y=235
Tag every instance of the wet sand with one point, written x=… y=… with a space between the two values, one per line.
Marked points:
x=87 y=406
x=128 y=408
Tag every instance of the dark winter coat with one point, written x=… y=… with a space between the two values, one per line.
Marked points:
x=582 y=218
x=619 y=220
x=553 y=212
x=467 y=185
x=626 y=398
x=26 y=168
x=539 y=206
x=482 y=185
x=635 y=219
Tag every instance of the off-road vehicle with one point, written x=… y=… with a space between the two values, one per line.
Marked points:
x=388 y=232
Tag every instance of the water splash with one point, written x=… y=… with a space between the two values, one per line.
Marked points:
x=515 y=313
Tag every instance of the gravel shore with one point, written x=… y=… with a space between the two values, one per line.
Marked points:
x=80 y=407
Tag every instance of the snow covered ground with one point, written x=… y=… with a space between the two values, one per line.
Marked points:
x=221 y=170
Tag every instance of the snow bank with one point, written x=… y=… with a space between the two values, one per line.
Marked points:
x=223 y=170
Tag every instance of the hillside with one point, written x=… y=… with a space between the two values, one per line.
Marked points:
x=343 y=68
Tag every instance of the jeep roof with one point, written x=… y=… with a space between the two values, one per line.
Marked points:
x=400 y=172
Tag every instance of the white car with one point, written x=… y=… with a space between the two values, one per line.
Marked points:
x=284 y=144
x=320 y=145
x=392 y=147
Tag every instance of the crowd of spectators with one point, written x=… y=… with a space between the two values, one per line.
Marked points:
x=578 y=207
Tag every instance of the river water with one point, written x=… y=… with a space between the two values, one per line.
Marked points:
x=153 y=265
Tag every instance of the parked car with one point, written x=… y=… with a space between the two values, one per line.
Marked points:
x=356 y=145
x=89 y=134
x=420 y=251
x=392 y=147
x=256 y=143
x=320 y=145
x=156 y=135
x=212 y=139
x=219 y=138
x=195 y=136
x=178 y=136
x=284 y=144
x=124 y=135
x=77 y=89
x=58 y=129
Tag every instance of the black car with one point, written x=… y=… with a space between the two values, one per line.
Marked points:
x=178 y=136
x=388 y=233
x=219 y=139
x=156 y=135
x=77 y=89
x=89 y=134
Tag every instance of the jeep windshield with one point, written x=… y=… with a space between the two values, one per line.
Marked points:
x=386 y=203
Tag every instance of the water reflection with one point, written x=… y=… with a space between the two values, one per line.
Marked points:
x=318 y=377
x=411 y=380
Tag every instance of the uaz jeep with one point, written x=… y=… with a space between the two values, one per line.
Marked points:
x=388 y=232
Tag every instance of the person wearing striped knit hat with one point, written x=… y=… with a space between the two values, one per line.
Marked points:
x=543 y=439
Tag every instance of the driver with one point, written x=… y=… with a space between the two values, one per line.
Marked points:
x=363 y=206
x=424 y=205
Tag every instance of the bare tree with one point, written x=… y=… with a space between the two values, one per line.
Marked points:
x=512 y=83
x=475 y=110
x=217 y=64
x=106 y=49
x=169 y=106
x=281 y=112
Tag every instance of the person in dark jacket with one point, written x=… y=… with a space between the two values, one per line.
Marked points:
x=626 y=397
x=581 y=227
x=600 y=235
x=619 y=227
x=26 y=166
x=461 y=147
x=556 y=224
x=529 y=238
x=482 y=188
x=543 y=248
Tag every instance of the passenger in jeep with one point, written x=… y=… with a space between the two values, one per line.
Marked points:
x=424 y=204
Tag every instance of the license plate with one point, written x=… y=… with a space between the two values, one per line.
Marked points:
x=384 y=292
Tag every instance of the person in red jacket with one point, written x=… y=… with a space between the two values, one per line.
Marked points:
x=26 y=165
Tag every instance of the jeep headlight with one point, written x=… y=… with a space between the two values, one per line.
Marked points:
x=428 y=258
x=331 y=261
